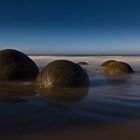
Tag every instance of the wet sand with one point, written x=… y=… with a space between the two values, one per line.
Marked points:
x=111 y=132
x=108 y=109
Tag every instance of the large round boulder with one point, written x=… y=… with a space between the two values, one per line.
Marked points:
x=119 y=67
x=62 y=73
x=107 y=62
x=15 y=65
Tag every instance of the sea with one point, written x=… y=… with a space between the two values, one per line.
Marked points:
x=108 y=109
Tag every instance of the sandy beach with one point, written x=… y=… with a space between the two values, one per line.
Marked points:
x=108 y=109
x=115 y=132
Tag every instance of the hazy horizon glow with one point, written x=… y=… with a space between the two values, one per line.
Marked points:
x=70 y=27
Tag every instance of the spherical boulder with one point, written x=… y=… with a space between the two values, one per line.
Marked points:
x=116 y=68
x=62 y=73
x=82 y=63
x=15 y=65
x=107 y=62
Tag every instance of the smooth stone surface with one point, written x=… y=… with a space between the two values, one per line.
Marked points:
x=107 y=62
x=63 y=73
x=116 y=68
x=15 y=65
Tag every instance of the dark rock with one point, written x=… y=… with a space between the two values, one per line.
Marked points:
x=15 y=65
x=116 y=68
x=63 y=73
x=82 y=63
x=107 y=62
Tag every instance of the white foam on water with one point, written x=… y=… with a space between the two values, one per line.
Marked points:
x=96 y=61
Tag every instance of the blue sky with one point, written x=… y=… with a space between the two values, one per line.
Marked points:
x=70 y=26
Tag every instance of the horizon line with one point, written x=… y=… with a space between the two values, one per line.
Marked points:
x=97 y=54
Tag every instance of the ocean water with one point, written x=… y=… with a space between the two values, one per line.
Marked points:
x=109 y=108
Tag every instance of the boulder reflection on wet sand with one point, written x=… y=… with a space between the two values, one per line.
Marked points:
x=15 y=92
x=117 y=79
x=64 y=94
x=119 y=84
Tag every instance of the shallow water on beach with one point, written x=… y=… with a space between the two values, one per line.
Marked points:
x=109 y=107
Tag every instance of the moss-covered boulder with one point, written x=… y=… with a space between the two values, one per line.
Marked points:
x=62 y=73
x=107 y=62
x=82 y=63
x=15 y=65
x=116 y=68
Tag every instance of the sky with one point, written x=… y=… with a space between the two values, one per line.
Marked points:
x=70 y=26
